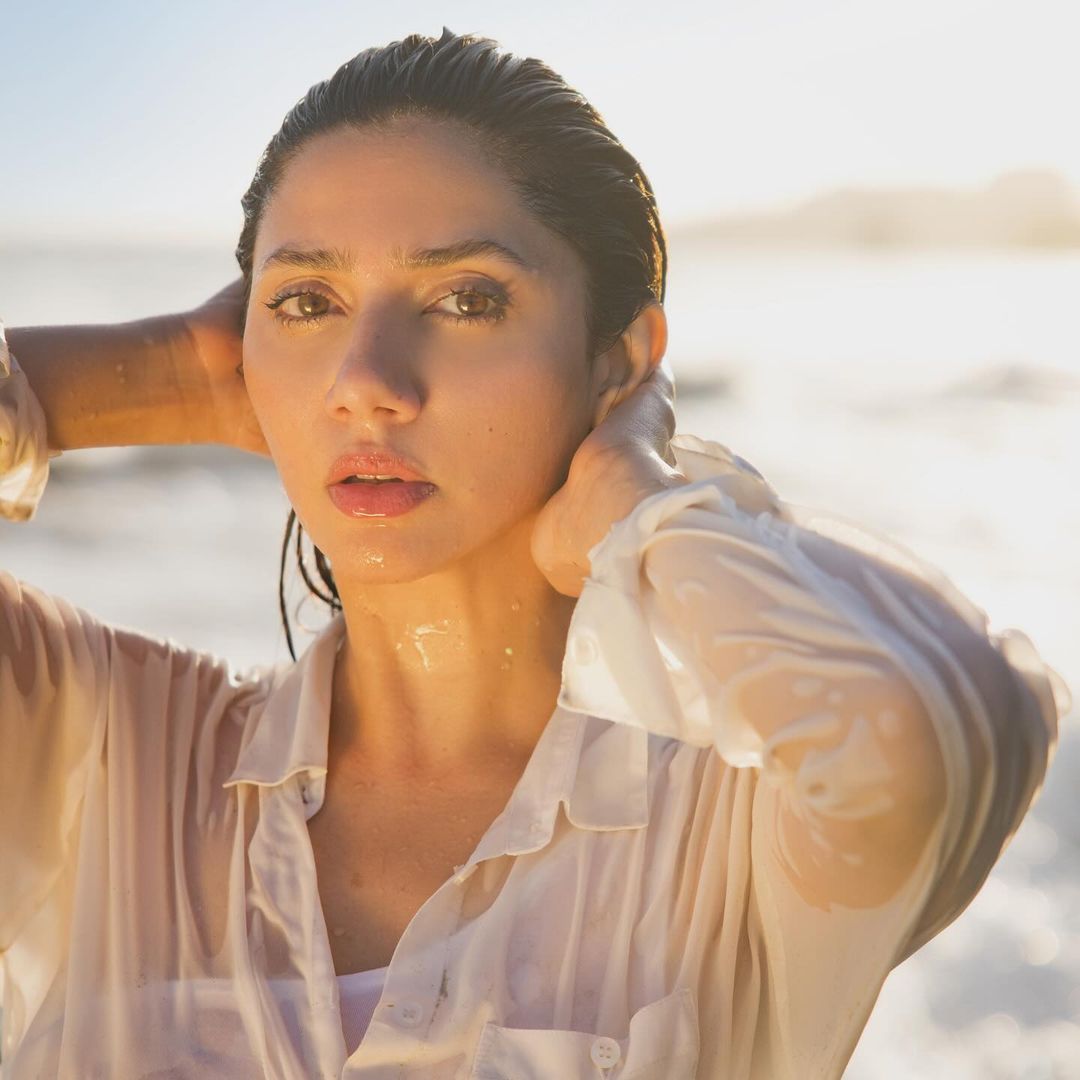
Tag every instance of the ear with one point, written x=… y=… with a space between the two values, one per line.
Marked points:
x=630 y=361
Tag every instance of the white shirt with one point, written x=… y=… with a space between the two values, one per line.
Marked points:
x=359 y=992
x=778 y=764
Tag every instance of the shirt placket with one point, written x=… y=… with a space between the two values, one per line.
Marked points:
x=404 y=1026
x=282 y=867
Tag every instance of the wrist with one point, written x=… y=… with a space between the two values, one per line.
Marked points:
x=190 y=380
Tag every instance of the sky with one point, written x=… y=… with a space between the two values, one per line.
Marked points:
x=144 y=120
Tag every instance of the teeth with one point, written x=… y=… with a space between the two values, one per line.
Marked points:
x=359 y=479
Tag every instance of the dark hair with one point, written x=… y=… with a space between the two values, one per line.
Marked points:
x=567 y=167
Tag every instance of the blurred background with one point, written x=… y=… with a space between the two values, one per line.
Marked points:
x=874 y=220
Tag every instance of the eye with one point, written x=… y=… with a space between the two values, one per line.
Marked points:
x=310 y=307
x=471 y=305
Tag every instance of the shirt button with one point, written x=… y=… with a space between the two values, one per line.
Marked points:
x=583 y=648
x=410 y=1014
x=605 y=1052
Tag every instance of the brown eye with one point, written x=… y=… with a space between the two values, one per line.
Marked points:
x=475 y=306
x=472 y=303
x=310 y=308
x=311 y=304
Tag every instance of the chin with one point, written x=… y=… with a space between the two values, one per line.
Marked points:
x=382 y=558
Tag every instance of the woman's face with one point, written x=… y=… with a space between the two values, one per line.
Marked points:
x=403 y=296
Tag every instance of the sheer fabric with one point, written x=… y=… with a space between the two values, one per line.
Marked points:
x=784 y=755
x=359 y=992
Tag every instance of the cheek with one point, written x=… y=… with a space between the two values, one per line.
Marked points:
x=524 y=433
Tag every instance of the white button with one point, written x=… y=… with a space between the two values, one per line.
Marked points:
x=605 y=1052
x=410 y=1013
x=583 y=648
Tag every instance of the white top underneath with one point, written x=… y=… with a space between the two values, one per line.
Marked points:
x=360 y=992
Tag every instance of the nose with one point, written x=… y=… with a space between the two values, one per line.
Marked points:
x=375 y=379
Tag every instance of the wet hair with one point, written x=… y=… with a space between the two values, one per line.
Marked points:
x=568 y=169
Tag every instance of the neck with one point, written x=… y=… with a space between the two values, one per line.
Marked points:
x=459 y=666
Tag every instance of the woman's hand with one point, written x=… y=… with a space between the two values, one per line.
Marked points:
x=213 y=341
x=624 y=459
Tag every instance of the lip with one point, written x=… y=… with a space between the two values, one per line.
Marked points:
x=373 y=460
x=380 y=500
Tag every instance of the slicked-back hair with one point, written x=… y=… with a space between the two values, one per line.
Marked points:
x=567 y=168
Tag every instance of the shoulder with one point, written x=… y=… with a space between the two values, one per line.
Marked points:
x=189 y=695
x=44 y=635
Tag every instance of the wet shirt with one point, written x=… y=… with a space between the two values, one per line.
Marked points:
x=359 y=992
x=784 y=755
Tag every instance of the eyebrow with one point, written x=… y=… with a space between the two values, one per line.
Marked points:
x=340 y=260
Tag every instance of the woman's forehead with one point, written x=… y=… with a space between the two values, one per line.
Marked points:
x=390 y=195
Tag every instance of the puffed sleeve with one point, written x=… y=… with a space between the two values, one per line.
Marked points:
x=897 y=742
x=53 y=682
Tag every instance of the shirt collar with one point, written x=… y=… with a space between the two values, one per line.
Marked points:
x=291 y=733
x=596 y=768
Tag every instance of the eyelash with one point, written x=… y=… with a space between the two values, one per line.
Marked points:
x=500 y=299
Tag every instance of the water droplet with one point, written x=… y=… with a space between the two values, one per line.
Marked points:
x=509 y=651
x=516 y=605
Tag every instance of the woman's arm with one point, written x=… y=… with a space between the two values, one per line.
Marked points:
x=885 y=744
x=162 y=380
x=871 y=696
x=169 y=379
x=113 y=385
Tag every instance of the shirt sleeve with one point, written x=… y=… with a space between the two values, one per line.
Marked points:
x=53 y=681
x=897 y=742
x=24 y=450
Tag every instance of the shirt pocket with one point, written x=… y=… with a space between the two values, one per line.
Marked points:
x=662 y=1044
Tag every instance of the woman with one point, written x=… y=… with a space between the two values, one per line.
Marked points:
x=610 y=763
